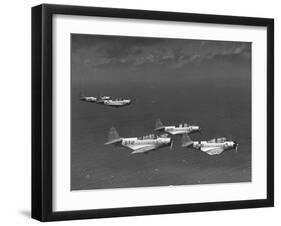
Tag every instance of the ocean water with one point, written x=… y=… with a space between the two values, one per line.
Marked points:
x=217 y=97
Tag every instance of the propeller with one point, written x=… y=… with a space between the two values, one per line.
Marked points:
x=235 y=143
x=236 y=146
x=172 y=144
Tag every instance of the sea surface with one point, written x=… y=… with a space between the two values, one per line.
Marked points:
x=217 y=98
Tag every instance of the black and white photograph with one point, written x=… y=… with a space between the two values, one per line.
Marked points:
x=141 y=111
x=149 y=111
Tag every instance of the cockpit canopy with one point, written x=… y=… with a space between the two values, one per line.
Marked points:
x=147 y=137
x=183 y=125
x=119 y=99
x=217 y=140
x=104 y=97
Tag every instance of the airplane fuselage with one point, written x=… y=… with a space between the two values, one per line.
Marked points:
x=145 y=145
x=180 y=130
x=202 y=145
x=135 y=141
x=117 y=103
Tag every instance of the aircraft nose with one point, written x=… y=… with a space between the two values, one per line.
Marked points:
x=196 y=128
x=235 y=145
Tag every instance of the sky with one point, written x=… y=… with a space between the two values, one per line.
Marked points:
x=101 y=53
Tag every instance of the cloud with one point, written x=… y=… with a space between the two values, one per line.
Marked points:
x=241 y=52
x=135 y=52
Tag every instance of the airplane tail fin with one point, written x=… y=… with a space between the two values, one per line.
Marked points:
x=186 y=140
x=81 y=95
x=113 y=137
x=158 y=125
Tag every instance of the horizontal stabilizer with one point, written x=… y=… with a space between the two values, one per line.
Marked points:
x=114 y=141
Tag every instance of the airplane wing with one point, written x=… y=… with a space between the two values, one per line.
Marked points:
x=113 y=104
x=142 y=149
x=212 y=150
x=172 y=132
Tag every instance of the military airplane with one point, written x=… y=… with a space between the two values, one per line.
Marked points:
x=117 y=102
x=211 y=147
x=94 y=99
x=107 y=100
x=173 y=130
x=88 y=99
x=139 y=145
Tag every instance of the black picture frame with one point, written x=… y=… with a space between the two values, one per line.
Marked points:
x=42 y=111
